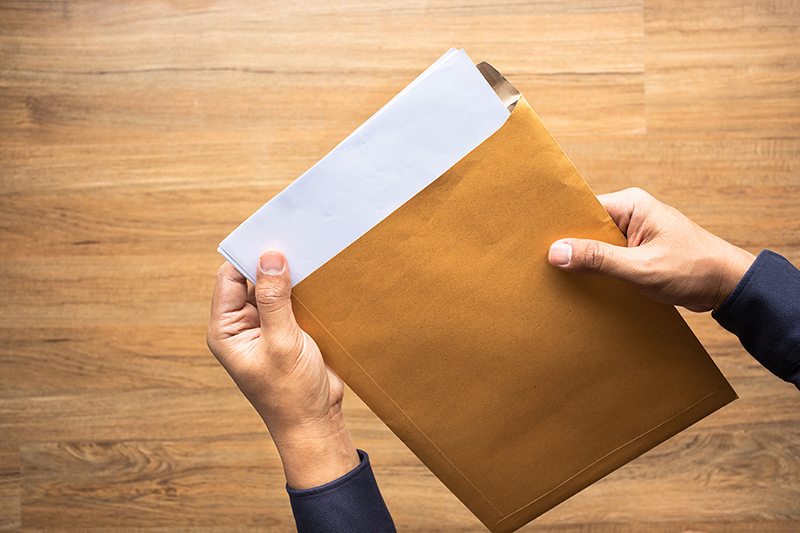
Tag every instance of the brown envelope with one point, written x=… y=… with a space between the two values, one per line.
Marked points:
x=517 y=384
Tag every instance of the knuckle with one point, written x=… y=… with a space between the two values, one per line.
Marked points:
x=270 y=297
x=594 y=257
x=223 y=271
x=640 y=196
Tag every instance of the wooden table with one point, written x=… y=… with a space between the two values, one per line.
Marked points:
x=134 y=135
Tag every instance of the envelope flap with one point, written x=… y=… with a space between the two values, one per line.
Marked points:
x=508 y=94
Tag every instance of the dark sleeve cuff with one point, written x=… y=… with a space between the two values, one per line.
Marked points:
x=352 y=503
x=764 y=312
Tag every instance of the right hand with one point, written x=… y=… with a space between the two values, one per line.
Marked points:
x=669 y=258
x=279 y=368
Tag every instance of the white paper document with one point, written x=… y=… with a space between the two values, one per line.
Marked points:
x=429 y=126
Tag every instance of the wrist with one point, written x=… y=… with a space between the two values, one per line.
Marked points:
x=735 y=265
x=315 y=453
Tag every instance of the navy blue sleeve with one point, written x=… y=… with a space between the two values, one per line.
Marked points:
x=764 y=312
x=352 y=504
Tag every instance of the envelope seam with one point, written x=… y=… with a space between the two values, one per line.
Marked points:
x=399 y=408
x=615 y=450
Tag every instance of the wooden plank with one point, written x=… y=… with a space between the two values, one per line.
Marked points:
x=586 y=104
x=99 y=291
x=153 y=484
x=125 y=220
x=151 y=414
x=723 y=65
x=43 y=362
x=22 y=15
x=261 y=167
x=144 y=414
x=10 y=487
x=152 y=38
x=686 y=160
x=149 y=79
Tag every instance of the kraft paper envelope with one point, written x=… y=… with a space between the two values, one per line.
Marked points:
x=517 y=384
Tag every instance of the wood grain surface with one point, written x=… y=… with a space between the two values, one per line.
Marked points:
x=136 y=134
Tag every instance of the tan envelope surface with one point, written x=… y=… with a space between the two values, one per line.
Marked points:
x=517 y=384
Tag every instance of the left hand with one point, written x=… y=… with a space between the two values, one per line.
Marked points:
x=668 y=258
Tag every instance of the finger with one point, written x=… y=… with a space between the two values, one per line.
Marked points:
x=230 y=292
x=621 y=205
x=273 y=295
x=595 y=257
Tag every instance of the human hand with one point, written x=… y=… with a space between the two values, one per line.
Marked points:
x=280 y=369
x=669 y=258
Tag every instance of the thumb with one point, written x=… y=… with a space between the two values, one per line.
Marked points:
x=594 y=257
x=273 y=294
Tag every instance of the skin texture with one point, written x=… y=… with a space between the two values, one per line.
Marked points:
x=280 y=370
x=669 y=258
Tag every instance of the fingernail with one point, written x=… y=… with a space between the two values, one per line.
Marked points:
x=272 y=263
x=560 y=253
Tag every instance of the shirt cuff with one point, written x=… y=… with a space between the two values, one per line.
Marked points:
x=352 y=503
x=764 y=312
